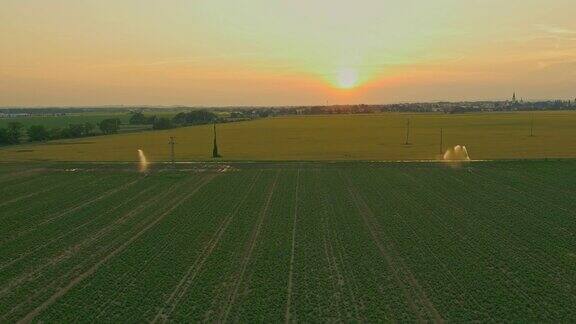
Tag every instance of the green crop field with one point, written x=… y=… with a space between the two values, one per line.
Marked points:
x=306 y=242
x=332 y=138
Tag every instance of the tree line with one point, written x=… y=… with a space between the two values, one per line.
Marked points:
x=195 y=117
x=16 y=133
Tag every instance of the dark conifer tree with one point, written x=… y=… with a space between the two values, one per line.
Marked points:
x=215 y=153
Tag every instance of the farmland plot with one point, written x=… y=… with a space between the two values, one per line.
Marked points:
x=290 y=242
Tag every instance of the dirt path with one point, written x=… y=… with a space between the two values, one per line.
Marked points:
x=182 y=287
x=287 y=313
x=414 y=293
x=175 y=203
x=246 y=258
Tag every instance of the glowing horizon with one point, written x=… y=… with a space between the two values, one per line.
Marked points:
x=265 y=52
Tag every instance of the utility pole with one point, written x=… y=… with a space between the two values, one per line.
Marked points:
x=532 y=125
x=172 y=160
x=441 y=141
x=407 y=132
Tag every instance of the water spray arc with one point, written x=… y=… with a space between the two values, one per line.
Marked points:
x=143 y=164
x=458 y=153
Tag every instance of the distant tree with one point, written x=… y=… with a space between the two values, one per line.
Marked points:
x=137 y=118
x=38 y=133
x=4 y=136
x=88 y=129
x=237 y=114
x=195 y=117
x=76 y=130
x=151 y=120
x=55 y=133
x=162 y=123
x=180 y=118
x=110 y=125
x=15 y=131
x=80 y=130
x=66 y=132
x=263 y=113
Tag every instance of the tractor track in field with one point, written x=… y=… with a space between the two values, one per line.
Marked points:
x=354 y=290
x=23 y=231
x=68 y=253
x=88 y=184
x=157 y=254
x=287 y=313
x=29 y=195
x=337 y=279
x=401 y=195
x=335 y=254
x=413 y=292
x=18 y=174
x=77 y=246
x=174 y=203
x=105 y=194
x=507 y=235
x=23 y=183
x=184 y=284
x=248 y=254
x=127 y=279
x=71 y=209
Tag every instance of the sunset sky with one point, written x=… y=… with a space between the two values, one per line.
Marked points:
x=291 y=52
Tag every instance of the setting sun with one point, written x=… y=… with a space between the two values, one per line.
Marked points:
x=347 y=78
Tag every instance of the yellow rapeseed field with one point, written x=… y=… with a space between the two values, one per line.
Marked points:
x=335 y=137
